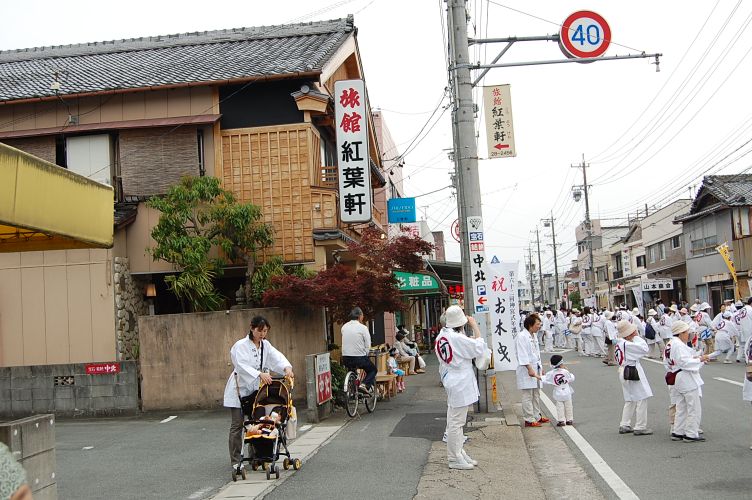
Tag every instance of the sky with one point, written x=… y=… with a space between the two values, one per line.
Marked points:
x=648 y=136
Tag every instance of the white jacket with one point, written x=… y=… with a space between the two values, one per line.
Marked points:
x=528 y=353
x=683 y=358
x=562 y=380
x=248 y=365
x=455 y=352
x=747 y=390
x=611 y=332
x=630 y=353
x=743 y=321
x=596 y=330
x=665 y=326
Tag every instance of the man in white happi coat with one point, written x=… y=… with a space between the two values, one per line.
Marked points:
x=560 y=326
x=610 y=336
x=575 y=329
x=629 y=350
x=548 y=331
x=664 y=326
x=743 y=321
x=587 y=331
x=529 y=371
x=597 y=330
x=705 y=328
x=686 y=364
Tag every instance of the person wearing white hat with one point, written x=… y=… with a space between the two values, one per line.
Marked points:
x=630 y=349
x=684 y=367
x=548 y=331
x=529 y=371
x=664 y=325
x=725 y=336
x=455 y=352
x=705 y=328
x=560 y=326
x=611 y=337
x=743 y=322
x=653 y=335
x=597 y=330
x=587 y=333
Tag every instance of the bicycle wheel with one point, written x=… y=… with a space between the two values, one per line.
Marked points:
x=351 y=393
x=371 y=399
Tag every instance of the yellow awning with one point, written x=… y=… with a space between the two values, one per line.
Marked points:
x=46 y=207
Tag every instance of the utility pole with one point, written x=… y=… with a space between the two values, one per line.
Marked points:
x=588 y=225
x=546 y=222
x=532 y=281
x=540 y=269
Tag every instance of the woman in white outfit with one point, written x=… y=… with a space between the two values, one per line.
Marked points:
x=597 y=330
x=686 y=364
x=587 y=333
x=530 y=371
x=630 y=349
x=575 y=329
x=656 y=341
x=455 y=352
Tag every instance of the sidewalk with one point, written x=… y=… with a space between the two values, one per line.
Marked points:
x=311 y=438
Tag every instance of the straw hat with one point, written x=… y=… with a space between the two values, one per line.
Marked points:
x=575 y=310
x=673 y=308
x=608 y=315
x=455 y=317
x=679 y=327
x=693 y=308
x=635 y=311
x=683 y=310
x=625 y=328
x=704 y=306
x=652 y=312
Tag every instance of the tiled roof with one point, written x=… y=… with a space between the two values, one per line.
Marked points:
x=719 y=192
x=171 y=59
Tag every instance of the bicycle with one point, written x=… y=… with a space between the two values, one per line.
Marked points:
x=353 y=394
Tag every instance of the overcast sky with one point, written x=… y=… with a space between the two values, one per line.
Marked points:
x=647 y=135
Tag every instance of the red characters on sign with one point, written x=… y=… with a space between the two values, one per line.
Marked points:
x=349 y=97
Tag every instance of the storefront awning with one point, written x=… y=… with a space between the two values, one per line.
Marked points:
x=46 y=207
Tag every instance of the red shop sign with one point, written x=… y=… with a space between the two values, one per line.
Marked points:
x=102 y=368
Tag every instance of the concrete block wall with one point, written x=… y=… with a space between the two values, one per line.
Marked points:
x=32 y=442
x=67 y=390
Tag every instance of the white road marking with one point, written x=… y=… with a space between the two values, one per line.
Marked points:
x=86 y=448
x=171 y=417
x=365 y=427
x=619 y=487
x=305 y=428
x=740 y=384
x=199 y=493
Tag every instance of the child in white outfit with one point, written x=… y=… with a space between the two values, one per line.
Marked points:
x=561 y=379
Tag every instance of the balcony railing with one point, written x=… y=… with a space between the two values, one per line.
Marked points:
x=327 y=177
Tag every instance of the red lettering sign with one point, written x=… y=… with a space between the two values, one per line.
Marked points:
x=102 y=368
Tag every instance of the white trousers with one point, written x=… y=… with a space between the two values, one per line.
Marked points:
x=599 y=347
x=456 y=418
x=688 y=414
x=587 y=341
x=640 y=411
x=564 y=411
x=548 y=345
x=531 y=405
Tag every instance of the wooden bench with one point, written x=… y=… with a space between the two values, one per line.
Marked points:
x=405 y=366
x=386 y=384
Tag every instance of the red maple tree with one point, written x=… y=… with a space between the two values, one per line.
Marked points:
x=339 y=288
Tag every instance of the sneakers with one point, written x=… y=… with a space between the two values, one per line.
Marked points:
x=643 y=432
x=625 y=430
x=461 y=465
x=468 y=459
x=464 y=440
x=570 y=422
x=560 y=424
x=727 y=361
x=543 y=420
x=698 y=439
x=676 y=437
x=533 y=424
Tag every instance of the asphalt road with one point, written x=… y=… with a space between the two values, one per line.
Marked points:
x=654 y=466
x=139 y=457
x=373 y=457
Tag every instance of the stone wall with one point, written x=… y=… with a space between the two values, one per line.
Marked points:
x=129 y=305
x=185 y=358
x=67 y=390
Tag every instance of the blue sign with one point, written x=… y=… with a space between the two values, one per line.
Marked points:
x=401 y=210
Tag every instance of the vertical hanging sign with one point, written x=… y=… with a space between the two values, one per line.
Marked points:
x=352 y=151
x=497 y=104
x=476 y=242
x=505 y=319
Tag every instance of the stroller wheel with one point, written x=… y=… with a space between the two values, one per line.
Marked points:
x=234 y=474
x=268 y=474
x=276 y=473
x=296 y=464
x=286 y=463
x=243 y=474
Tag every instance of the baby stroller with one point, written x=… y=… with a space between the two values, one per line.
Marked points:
x=265 y=449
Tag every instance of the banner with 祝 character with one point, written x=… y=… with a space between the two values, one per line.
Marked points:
x=352 y=151
x=497 y=104
x=505 y=320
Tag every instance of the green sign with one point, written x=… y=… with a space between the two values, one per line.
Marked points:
x=415 y=282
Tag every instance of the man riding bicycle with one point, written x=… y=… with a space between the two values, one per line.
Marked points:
x=356 y=342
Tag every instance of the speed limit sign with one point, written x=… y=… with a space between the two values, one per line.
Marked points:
x=584 y=34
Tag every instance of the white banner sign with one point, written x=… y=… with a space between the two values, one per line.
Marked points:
x=505 y=320
x=352 y=151
x=626 y=262
x=657 y=285
x=637 y=292
x=497 y=103
x=476 y=244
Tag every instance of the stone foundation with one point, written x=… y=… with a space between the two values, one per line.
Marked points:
x=129 y=305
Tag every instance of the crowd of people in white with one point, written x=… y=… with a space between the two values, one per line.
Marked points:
x=683 y=338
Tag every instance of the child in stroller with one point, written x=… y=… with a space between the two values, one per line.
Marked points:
x=266 y=428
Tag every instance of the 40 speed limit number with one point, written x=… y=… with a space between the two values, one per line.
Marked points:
x=584 y=34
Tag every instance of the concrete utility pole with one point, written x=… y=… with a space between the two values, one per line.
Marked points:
x=540 y=269
x=546 y=222
x=532 y=281
x=588 y=224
